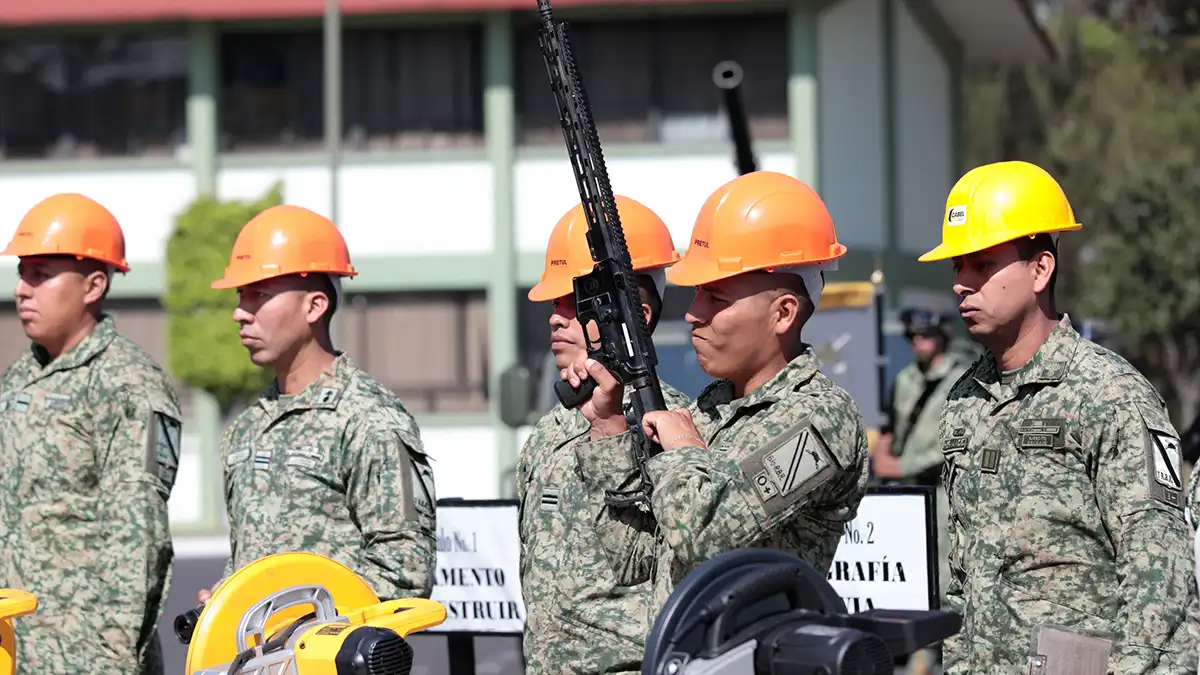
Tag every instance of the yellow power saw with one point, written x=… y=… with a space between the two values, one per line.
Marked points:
x=13 y=603
x=302 y=614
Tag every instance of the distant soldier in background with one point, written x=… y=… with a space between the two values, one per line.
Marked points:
x=578 y=618
x=910 y=453
x=89 y=445
x=1067 y=523
x=327 y=460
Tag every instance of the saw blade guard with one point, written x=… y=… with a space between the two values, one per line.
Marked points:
x=268 y=595
x=13 y=603
x=728 y=593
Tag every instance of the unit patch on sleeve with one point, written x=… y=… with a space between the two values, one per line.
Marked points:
x=790 y=467
x=1163 y=465
x=163 y=447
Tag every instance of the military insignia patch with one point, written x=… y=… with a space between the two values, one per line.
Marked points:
x=163 y=447
x=1164 y=466
x=549 y=499
x=790 y=467
x=424 y=496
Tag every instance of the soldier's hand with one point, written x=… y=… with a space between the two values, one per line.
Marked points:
x=603 y=408
x=204 y=595
x=883 y=445
x=886 y=465
x=672 y=429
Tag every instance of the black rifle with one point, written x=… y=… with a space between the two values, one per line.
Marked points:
x=727 y=75
x=608 y=295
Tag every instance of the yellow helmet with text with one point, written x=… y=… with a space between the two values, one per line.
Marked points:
x=1000 y=202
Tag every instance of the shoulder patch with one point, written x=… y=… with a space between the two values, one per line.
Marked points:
x=1164 y=467
x=163 y=439
x=790 y=467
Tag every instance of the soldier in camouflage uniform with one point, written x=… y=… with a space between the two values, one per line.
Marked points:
x=89 y=442
x=1062 y=467
x=773 y=453
x=577 y=617
x=327 y=460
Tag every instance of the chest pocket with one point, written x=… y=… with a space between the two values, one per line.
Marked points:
x=55 y=441
x=308 y=476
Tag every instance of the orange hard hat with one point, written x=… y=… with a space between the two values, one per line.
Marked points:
x=70 y=224
x=759 y=221
x=568 y=256
x=286 y=239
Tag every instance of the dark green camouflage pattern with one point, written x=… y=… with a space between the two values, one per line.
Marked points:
x=338 y=470
x=89 y=445
x=1067 y=508
x=786 y=468
x=578 y=619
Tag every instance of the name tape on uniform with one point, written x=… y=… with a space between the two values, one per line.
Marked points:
x=479 y=567
x=883 y=560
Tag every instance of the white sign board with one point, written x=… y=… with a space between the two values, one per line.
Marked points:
x=478 y=575
x=884 y=560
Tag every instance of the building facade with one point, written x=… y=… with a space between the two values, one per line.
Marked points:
x=452 y=169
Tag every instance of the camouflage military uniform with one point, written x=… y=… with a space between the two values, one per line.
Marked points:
x=578 y=618
x=337 y=470
x=917 y=401
x=1067 y=508
x=89 y=443
x=786 y=468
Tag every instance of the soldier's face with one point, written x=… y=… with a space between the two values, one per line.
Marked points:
x=736 y=324
x=275 y=318
x=52 y=293
x=925 y=346
x=996 y=290
x=566 y=335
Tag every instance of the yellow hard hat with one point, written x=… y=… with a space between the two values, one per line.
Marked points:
x=1000 y=202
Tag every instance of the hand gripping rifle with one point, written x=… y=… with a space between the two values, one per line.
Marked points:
x=607 y=296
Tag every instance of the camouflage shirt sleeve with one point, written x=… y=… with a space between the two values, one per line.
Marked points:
x=706 y=501
x=628 y=535
x=1150 y=535
x=391 y=495
x=139 y=462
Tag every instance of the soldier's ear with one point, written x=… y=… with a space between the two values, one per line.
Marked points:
x=95 y=286
x=316 y=303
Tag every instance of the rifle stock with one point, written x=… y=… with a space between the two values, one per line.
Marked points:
x=727 y=75
x=607 y=297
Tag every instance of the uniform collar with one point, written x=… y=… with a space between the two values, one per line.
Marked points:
x=1048 y=366
x=322 y=393
x=796 y=373
x=96 y=341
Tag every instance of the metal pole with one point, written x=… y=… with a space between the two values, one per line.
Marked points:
x=333 y=123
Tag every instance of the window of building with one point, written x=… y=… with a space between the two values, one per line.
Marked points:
x=650 y=80
x=430 y=348
x=93 y=96
x=402 y=88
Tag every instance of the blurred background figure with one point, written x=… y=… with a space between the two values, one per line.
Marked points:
x=908 y=451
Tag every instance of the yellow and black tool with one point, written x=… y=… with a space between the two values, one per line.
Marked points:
x=304 y=614
x=13 y=603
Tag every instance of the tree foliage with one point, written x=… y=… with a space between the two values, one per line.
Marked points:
x=1117 y=122
x=203 y=349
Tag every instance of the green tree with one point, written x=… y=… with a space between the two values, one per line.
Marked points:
x=203 y=349
x=1117 y=122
